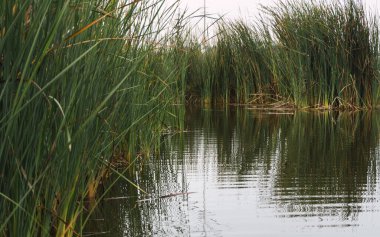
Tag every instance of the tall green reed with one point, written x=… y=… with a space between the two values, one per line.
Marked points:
x=80 y=86
x=302 y=54
x=328 y=52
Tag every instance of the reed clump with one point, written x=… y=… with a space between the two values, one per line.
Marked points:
x=80 y=85
x=302 y=55
x=329 y=52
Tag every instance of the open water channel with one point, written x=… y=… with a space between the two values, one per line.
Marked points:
x=251 y=173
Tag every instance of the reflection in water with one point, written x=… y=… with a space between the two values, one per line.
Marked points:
x=255 y=174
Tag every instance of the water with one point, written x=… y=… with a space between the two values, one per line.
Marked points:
x=249 y=173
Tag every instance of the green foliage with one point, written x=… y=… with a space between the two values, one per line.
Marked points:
x=85 y=83
x=82 y=83
x=319 y=55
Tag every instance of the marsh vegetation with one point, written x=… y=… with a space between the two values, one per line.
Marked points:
x=87 y=86
x=300 y=55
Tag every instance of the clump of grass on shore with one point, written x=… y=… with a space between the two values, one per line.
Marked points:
x=318 y=55
x=327 y=53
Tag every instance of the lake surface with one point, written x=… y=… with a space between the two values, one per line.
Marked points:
x=251 y=173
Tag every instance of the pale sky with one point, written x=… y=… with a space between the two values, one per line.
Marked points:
x=247 y=9
x=231 y=8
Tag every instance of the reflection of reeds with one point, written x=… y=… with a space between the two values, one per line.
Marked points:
x=305 y=164
x=71 y=101
x=312 y=154
x=320 y=55
x=327 y=156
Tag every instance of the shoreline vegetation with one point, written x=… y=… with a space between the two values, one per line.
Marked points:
x=301 y=56
x=86 y=87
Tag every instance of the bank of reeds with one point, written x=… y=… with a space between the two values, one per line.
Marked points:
x=81 y=83
x=302 y=54
x=86 y=83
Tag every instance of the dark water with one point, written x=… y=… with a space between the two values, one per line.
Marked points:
x=255 y=174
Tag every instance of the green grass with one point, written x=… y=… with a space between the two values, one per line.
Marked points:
x=301 y=54
x=86 y=83
x=82 y=83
